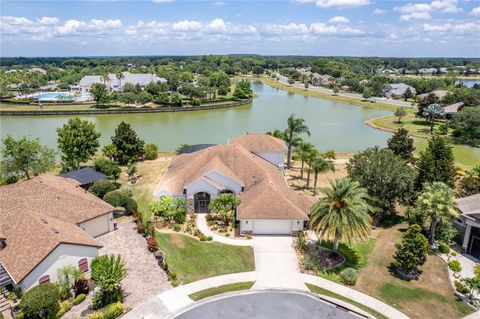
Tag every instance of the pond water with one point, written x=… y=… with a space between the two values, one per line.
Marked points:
x=469 y=83
x=333 y=125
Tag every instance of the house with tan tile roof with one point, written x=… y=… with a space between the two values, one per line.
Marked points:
x=250 y=166
x=46 y=223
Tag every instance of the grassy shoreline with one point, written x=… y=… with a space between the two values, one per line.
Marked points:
x=282 y=86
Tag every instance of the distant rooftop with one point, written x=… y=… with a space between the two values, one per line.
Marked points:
x=84 y=176
x=194 y=148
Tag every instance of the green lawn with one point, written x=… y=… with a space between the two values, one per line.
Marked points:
x=221 y=289
x=328 y=293
x=356 y=256
x=395 y=293
x=193 y=260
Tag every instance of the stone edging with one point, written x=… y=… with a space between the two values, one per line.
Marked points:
x=125 y=110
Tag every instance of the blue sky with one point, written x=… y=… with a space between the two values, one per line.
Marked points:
x=305 y=27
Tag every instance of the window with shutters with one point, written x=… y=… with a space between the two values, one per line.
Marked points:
x=83 y=264
x=44 y=279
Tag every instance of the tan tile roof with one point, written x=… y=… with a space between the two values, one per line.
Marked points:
x=259 y=143
x=266 y=194
x=453 y=108
x=38 y=215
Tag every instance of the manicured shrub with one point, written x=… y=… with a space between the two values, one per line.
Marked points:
x=301 y=243
x=444 y=248
x=64 y=308
x=476 y=270
x=152 y=244
x=101 y=187
x=151 y=151
x=130 y=205
x=177 y=227
x=108 y=167
x=41 y=301
x=110 y=312
x=79 y=299
x=203 y=238
x=460 y=287
x=103 y=298
x=196 y=102
x=209 y=238
x=348 y=276
x=20 y=315
x=115 y=198
x=455 y=265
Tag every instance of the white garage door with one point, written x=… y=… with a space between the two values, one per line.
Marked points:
x=272 y=227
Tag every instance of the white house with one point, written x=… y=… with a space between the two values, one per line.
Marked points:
x=115 y=83
x=250 y=166
x=46 y=223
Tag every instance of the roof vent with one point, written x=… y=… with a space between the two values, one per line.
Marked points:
x=55 y=230
x=43 y=220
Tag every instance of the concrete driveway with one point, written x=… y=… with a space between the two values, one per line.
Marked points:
x=276 y=263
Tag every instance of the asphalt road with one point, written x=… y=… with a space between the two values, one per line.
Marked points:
x=267 y=305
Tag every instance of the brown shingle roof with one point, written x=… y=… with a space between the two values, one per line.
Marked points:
x=469 y=205
x=38 y=215
x=266 y=194
x=259 y=143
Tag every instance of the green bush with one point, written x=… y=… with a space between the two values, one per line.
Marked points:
x=444 y=248
x=348 y=276
x=209 y=238
x=1 y=316
x=79 y=299
x=203 y=238
x=115 y=198
x=301 y=243
x=41 y=301
x=196 y=102
x=460 y=287
x=108 y=167
x=102 y=298
x=103 y=186
x=130 y=205
x=110 y=312
x=64 y=309
x=455 y=265
x=151 y=151
x=20 y=315
x=177 y=227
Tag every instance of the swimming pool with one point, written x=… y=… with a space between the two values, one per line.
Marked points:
x=54 y=96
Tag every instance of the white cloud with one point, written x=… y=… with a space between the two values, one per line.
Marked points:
x=339 y=20
x=17 y=21
x=422 y=11
x=475 y=12
x=322 y=28
x=217 y=25
x=336 y=3
x=379 y=11
x=48 y=21
x=162 y=1
x=449 y=29
x=219 y=3
x=186 y=25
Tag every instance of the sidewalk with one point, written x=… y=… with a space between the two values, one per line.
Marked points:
x=203 y=227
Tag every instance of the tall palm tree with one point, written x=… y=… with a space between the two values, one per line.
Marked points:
x=437 y=205
x=320 y=165
x=343 y=214
x=295 y=127
x=303 y=151
x=120 y=77
x=310 y=159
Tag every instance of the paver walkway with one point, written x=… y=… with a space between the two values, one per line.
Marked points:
x=276 y=263
x=203 y=227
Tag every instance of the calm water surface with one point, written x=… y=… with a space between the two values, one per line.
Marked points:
x=333 y=125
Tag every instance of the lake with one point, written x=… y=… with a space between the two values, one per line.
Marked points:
x=333 y=125
x=469 y=83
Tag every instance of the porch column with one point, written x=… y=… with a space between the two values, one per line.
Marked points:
x=466 y=238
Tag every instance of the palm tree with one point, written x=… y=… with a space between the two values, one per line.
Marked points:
x=120 y=77
x=295 y=127
x=224 y=205
x=437 y=204
x=343 y=214
x=303 y=151
x=108 y=271
x=320 y=165
x=105 y=77
x=310 y=159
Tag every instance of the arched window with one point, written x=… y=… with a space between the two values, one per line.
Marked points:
x=44 y=279
x=83 y=264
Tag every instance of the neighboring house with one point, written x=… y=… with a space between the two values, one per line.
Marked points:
x=46 y=223
x=85 y=176
x=469 y=224
x=396 y=90
x=452 y=109
x=440 y=94
x=142 y=79
x=427 y=71
x=39 y=70
x=250 y=167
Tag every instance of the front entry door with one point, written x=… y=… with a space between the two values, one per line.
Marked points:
x=201 y=200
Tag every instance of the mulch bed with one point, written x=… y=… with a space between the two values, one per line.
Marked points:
x=326 y=258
